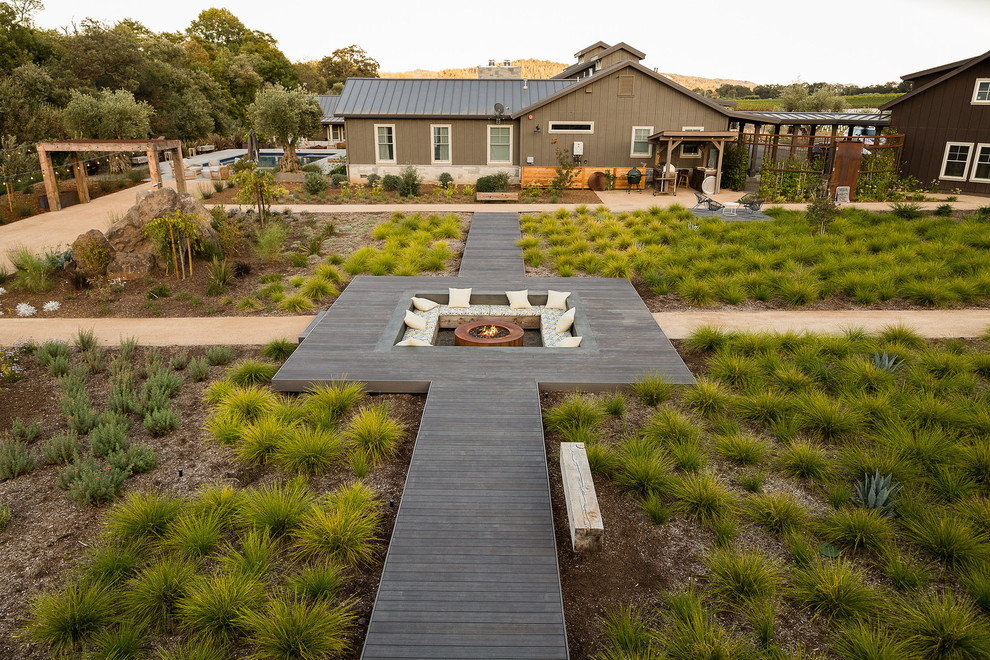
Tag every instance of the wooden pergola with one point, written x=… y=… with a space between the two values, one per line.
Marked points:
x=672 y=139
x=151 y=147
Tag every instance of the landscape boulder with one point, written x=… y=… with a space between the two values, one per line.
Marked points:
x=131 y=266
x=127 y=234
x=92 y=252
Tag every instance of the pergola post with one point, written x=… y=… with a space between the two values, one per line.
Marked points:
x=720 y=145
x=82 y=185
x=153 y=169
x=179 y=170
x=51 y=183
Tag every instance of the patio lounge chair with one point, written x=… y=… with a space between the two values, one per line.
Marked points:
x=707 y=202
x=220 y=173
x=754 y=204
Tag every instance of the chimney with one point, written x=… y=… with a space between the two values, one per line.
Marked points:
x=507 y=63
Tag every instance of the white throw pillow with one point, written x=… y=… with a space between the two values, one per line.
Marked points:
x=414 y=342
x=569 y=342
x=415 y=321
x=423 y=304
x=566 y=320
x=518 y=299
x=556 y=299
x=459 y=298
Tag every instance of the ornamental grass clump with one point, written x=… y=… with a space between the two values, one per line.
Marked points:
x=253 y=556
x=251 y=372
x=740 y=576
x=628 y=632
x=573 y=414
x=742 y=449
x=942 y=626
x=375 y=434
x=305 y=630
x=143 y=517
x=110 y=563
x=653 y=389
x=834 y=590
x=63 y=621
x=276 y=509
x=949 y=538
x=702 y=496
x=309 y=451
x=642 y=467
x=216 y=605
x=857 y=528
x=154 y=593
x=777 y=512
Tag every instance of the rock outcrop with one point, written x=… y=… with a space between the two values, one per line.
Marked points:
x=92 y=252
x=131 y=266
x=127 y=234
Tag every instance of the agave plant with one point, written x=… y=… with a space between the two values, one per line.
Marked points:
x=888 y=363
x=877 y=492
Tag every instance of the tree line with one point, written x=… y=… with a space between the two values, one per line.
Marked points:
x=126 y=81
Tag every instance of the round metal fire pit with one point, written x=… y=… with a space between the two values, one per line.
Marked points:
x=505 y=334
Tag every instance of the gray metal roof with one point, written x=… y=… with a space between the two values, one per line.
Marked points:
x=328 y=105
x=826 y=118
x=460 y=97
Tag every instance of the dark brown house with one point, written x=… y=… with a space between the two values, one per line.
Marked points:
x=946 y=122
x=608 y=111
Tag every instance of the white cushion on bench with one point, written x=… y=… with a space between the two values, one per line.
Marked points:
x=423 y=304
x=557 y=299
x=412 y=341
x=415 y=321
x=569 y=342
x=566 y=320
x=459 y=297
x=518 y=299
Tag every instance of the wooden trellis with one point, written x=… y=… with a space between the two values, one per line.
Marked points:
x=151 y=147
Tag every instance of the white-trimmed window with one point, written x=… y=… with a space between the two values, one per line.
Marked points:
x=690 y=150
x=571 y=126
x=692 y=128
x=981 y=93
x=336 y=132
x=385 y=143
x=440 y=138
x=955 y=162
x=981 y=164
x=640 y=141
x=499 y=144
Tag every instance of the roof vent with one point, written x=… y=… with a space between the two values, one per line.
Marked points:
x=491 y=62
x=507 y=63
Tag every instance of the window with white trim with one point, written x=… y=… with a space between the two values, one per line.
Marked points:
x=981 y=93
x=955 y=162
x=499 y=144
x=640 y=141
x=441 y=142
x=336 y=132
x=571 y=126
x=385 y=139
x=690 y=150
x=981 y=164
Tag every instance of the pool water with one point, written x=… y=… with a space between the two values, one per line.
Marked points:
x=272 y=160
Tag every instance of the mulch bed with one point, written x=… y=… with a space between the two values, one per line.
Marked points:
x=48 y=534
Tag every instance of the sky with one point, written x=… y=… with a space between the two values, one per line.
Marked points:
x=763 y=41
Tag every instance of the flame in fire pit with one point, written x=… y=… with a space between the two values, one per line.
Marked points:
x=488 y=331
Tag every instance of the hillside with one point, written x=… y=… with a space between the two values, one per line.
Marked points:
x=547 y=69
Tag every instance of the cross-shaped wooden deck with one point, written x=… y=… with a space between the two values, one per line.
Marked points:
x=471 y=570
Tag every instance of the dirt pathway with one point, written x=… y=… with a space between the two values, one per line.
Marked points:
x=941 y=323
x=247 y=330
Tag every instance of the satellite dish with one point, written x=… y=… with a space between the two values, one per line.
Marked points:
x=499 y=109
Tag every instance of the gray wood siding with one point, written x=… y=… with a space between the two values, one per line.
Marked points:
x=413 y=140
x=943 y=114
x=652 y=104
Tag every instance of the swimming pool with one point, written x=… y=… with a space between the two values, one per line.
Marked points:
x=272 y=159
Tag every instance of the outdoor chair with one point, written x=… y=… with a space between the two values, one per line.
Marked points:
x=221 y=173
x=754 y=204
x=707 y=202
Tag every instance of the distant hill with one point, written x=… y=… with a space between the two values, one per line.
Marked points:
x=547 y=69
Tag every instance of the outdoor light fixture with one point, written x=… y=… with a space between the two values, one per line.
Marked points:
x=537 y=129
x=180 y=472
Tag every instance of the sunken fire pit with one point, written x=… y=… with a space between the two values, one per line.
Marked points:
x=488 y=333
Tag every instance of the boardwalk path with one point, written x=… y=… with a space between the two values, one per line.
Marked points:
x=471 y=570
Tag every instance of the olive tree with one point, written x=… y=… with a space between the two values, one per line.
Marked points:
x=109 y=115
x=285 y=115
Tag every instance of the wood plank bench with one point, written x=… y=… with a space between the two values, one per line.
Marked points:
x=583 y=514
x=497 y=197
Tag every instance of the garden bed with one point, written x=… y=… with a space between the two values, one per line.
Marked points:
x=275 y=262
x=48 y=537
x=429 y=194
x=26 y=204
x=726 y=504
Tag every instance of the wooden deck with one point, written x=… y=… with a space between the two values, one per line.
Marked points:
x=491 y=250
x=471 y=570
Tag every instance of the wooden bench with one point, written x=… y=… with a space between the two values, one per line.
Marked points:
x=497 y=197
x=583 y=514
